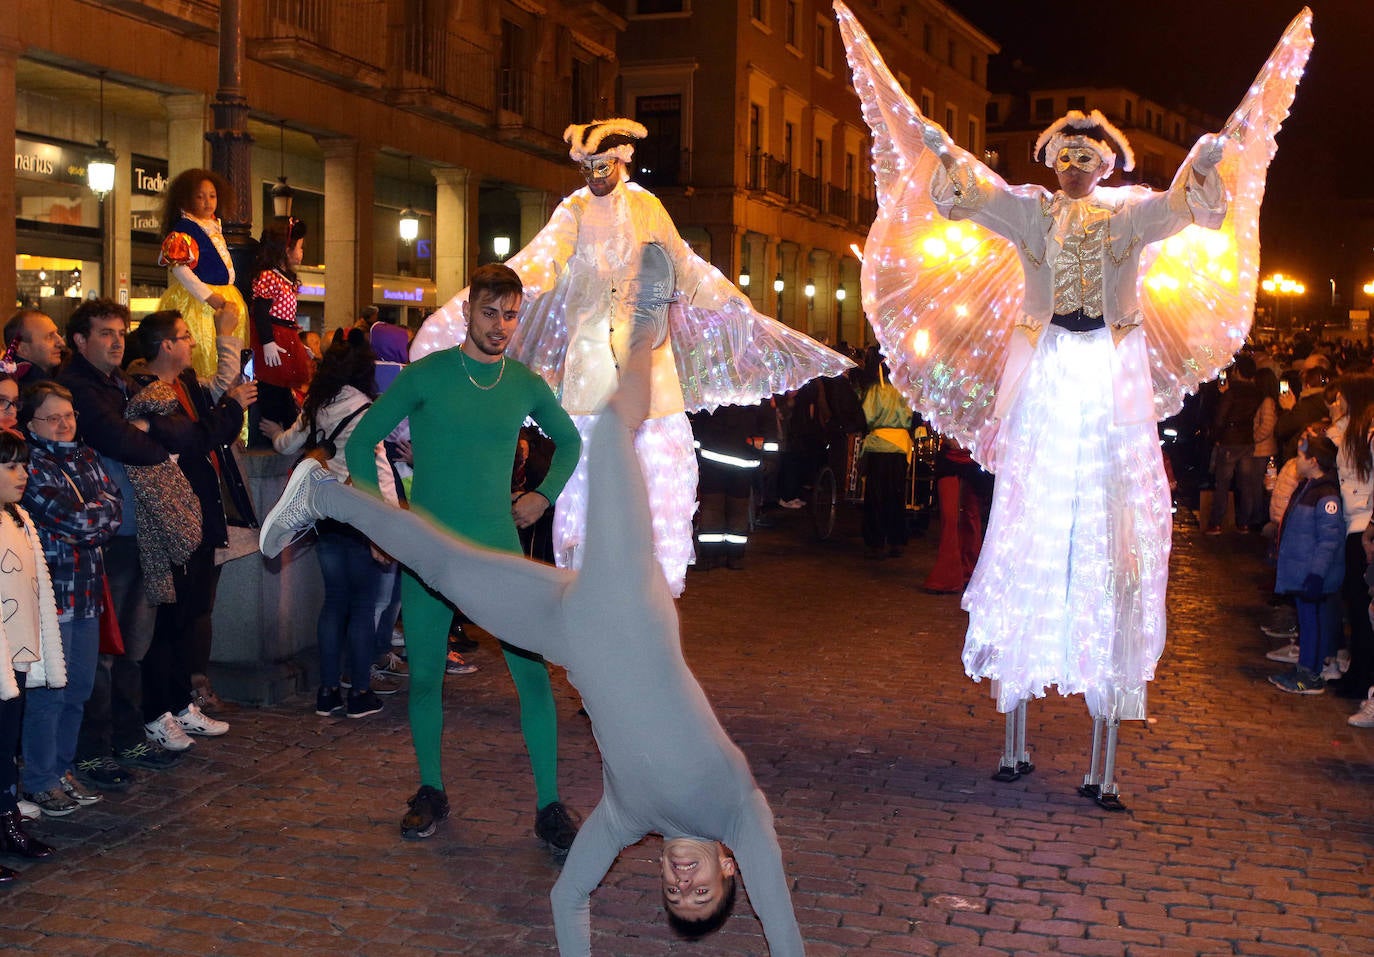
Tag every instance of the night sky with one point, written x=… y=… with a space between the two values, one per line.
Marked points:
x=1205 y=53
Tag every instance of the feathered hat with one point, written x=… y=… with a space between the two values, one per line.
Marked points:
x=614 y=137
x=1093 y=130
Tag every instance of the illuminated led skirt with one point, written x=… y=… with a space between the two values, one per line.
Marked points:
x=200 y=319
x=668 y=460
x=1069 y=589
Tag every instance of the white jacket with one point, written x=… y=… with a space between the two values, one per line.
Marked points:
x=51 y=670
x=346 y=402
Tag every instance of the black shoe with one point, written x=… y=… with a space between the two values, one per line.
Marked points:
x=8 y=876
x=461 y=642
x=104 y=774
x=556 y=826
x=13 y=840
x=428 y=807
x=328 y=701
x=149 y=755
x=362 y=703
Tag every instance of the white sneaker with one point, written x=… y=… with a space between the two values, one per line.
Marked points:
x=292 y=516
x=195 y=721
x=168 y=733
x=1343 y=660
x=29 y=811
x=398 y=637
x=1364 y=718
x=1331 y=671
x=1287 y=655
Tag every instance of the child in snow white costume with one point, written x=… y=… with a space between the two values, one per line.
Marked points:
x=1048 y=332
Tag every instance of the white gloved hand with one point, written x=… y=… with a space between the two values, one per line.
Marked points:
x=935 y=140
x=1210 y=149
x=271 y=353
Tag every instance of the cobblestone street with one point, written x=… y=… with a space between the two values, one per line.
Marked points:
x=1249 y=827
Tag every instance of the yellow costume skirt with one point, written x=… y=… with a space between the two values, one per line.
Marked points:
x=200 y=319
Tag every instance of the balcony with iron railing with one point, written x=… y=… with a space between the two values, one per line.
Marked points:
x=441 y=73
x=840 y=203
x=533 y=109
x=808 y=191
x=340 y=41
x=192 y=18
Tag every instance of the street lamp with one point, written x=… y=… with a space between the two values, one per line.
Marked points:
x=409 y=225
x=501 y=246
x=1280 y=286
x=100 y=165
x=282 y=194
x=744 y=278
x=809 y=290
x=778 y=286
x=839 y=311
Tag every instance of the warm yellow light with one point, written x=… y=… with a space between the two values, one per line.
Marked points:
x=922 y=342
x=934 y=247
x=1267 y=285
x=1369 y=288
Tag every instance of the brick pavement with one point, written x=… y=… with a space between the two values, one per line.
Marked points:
x=1249 y=830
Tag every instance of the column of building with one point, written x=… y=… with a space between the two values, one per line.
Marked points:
x=9 y=210
x=349 y=166
x=455 y=229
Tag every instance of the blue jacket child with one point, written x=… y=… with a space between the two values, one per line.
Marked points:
x=1311 y=563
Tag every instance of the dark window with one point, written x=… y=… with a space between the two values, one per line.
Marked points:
x=649 y=7
x=1044 y=108
x=659 y=157
x=1077 y=103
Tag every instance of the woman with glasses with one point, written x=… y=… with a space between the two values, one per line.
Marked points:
x=76 y=507
x=9 y=401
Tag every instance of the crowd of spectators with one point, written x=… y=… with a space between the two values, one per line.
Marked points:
x=1287 y=434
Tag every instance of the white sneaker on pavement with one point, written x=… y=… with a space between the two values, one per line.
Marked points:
x=167 y=732
x=1331 y=671
x=1287 y=655
x=1364 y=718
x=195 y=721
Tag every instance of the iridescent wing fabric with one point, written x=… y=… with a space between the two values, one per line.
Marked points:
x=733 y=355
x=943 y=297
x=725 y=354
x=1197 y=288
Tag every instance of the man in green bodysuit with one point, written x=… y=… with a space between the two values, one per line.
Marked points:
x=466 y=406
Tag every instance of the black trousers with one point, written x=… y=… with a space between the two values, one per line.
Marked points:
x=885 y=499
x=172 y=657
x=11 y=715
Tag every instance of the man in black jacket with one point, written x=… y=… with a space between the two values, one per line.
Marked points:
x=112 y=735
x=199 y=432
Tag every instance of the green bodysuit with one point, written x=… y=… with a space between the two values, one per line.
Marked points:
x=464 y=431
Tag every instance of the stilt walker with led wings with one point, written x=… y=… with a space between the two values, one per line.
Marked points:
x=1048 y=333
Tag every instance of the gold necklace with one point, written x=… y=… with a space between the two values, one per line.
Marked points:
x=485 y=388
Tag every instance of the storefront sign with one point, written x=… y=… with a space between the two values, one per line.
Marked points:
x=402 y=292
x=147 y=180
x=147 y=176
x=51 y=161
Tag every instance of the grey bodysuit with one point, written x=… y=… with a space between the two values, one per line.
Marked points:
x=668 y=765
